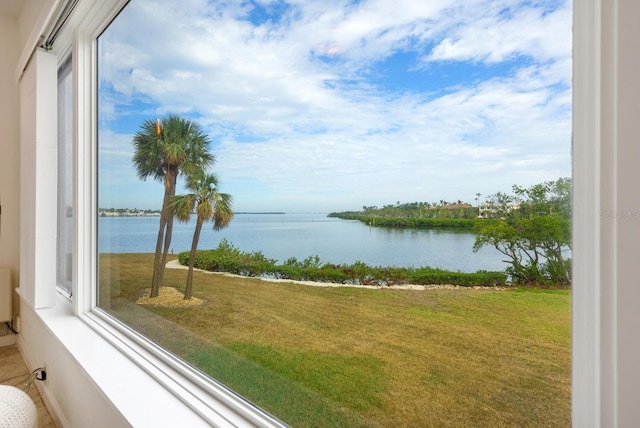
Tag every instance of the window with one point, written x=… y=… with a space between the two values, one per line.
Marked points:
x=303 y=118
x=65 y=178
x=596 y=181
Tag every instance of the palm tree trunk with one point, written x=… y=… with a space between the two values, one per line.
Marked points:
x=158 y=266
x=192 y=258
x=157 y=261
x=158 y=256
x=168 y=233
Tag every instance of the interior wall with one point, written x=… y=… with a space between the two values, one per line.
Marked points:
x=31 y=13
x=70 y=394
x=10 y=158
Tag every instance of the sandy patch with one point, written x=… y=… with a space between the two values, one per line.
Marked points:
x=168 y=297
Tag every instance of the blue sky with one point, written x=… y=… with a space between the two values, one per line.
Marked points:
x=331 y=105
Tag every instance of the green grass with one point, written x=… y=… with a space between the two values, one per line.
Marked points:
x=355 y=357
x=355 y=381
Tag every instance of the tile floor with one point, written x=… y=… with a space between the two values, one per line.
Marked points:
x=14 y=372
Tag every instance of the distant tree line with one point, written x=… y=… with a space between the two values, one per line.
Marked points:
x=419 y=215
x=407 y=222
x=416 y=210
x=531 y=227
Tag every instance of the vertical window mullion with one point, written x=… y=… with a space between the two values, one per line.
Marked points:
x=64 y=253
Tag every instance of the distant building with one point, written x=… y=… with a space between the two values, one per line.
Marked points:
x=126 y=212
x=491 y=210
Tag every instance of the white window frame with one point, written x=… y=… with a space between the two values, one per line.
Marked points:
x=211 y=400
x=65 y=285
x=597 y=329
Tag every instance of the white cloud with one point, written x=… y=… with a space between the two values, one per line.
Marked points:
x=495 y=34
x=302 y=87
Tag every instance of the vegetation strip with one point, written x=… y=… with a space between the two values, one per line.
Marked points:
x=407 y=222
x=228 y=258
x=175 y=264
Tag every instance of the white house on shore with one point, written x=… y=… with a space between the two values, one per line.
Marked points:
x=490 y=210
x=100 y=377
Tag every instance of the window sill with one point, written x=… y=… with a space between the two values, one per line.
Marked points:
x=145 y=389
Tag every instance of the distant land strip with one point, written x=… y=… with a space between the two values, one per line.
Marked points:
x=128 y=212
x=260 y=212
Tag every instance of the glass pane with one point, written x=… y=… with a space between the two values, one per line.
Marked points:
x=374 y=265
x=65 y=177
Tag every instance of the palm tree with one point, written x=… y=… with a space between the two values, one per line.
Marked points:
x=164 y=149
x=208 y=204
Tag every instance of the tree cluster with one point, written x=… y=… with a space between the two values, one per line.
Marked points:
x=415 y=210
x=532 y=229
x=164 y=150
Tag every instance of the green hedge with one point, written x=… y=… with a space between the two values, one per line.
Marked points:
x=407 y=222
x=227 y=258
x=439 y=276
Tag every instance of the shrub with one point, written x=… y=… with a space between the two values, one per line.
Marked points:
x=227 y=258
x=426 y=276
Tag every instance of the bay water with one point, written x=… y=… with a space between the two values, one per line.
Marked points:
x=300 y=235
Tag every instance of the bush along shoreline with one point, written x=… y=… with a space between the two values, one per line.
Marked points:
x=408 y=222
x=228 y=258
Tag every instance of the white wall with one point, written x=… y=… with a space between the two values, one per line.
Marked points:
x=32 y=12
x=38 y=175
x=70 y=394
x=9 y=149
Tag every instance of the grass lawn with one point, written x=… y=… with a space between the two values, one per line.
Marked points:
x=344 y=356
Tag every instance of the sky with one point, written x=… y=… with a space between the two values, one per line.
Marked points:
x=321 y=106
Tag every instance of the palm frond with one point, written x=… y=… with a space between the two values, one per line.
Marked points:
x=181 y=143
x=223 y=214
x=182 y=206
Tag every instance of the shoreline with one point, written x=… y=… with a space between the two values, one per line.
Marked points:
x=175 y=264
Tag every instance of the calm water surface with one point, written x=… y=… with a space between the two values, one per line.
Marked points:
x=280 y=236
